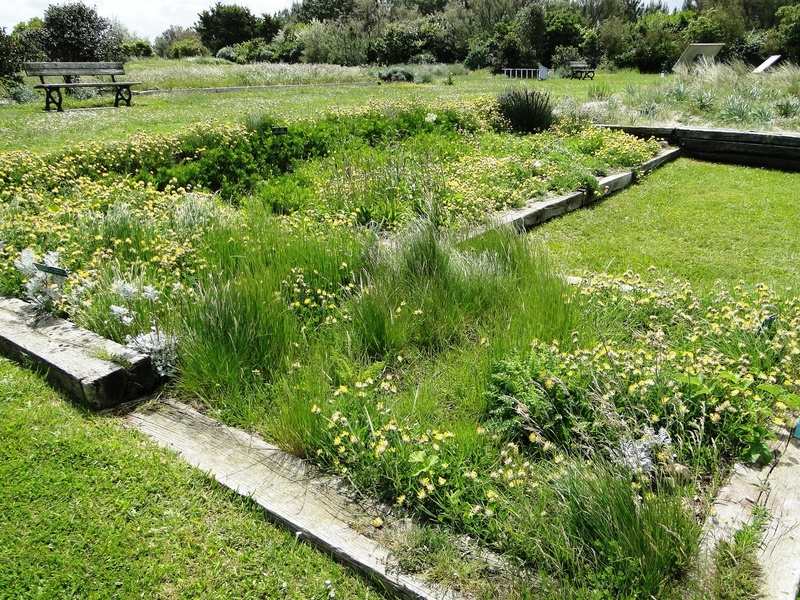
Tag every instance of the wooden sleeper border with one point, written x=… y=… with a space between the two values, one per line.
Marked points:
x=282 y=484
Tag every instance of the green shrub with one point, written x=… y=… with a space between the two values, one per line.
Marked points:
x=137 y=49
x=396 y=74
x=526 y=111
x=22 y=94
x=189 y=47
x=599 y=91
x=788 y=107
x=227 y=53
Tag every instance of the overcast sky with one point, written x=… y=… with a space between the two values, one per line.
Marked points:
x=149 y=18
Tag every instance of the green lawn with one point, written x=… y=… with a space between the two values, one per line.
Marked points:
x=27 y=126
x=692 y=220
x=91 y=510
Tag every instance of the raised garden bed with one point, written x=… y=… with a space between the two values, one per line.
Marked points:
x=402 y=367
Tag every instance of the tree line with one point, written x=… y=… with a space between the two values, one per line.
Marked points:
x=480 y=33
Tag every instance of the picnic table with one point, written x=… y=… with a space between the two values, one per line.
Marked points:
x=580 y=69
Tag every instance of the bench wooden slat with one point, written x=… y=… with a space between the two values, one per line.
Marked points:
x=44 y=86
x=60 y=69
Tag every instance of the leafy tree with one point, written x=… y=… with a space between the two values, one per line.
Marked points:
x=532 y=34
x=789 y=31
x=763 y=14
x=174 y=33
x=597 y=11
x=269 y=26
x=655 y=43
x=75 y=32
x=592 y=48
x=563 y=29
x=400 y=42
x=287 y=45
x=426 y=7
x=10 y=61
x=633 y=9
x=489 y=13
x=508 y=52
x=226 y=25
x=321 y=10
x=705 y=29
x=481 y=54
x=615 y=40
x=26 y=36
x=439 y=39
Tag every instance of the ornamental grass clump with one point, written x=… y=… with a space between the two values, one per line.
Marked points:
x=526 y=111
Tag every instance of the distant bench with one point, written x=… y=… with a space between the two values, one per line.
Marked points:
x=70 y=70
x=580 y=69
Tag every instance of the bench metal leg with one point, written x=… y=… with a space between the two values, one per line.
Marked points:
x=56 y=100
x=124 y=94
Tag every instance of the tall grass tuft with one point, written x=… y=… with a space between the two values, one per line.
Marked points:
x=249 y=317
x=592 y=528
x=526 y=111
x=424 y=295
x=211 y=72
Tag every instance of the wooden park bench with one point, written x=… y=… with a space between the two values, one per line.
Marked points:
x=71 y=72
x=580 y=69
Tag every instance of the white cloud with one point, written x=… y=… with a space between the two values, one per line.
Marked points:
x=147 y=18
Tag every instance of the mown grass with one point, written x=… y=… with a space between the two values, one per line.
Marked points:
x=28 y=127
x=92 y=510
x=690 y=220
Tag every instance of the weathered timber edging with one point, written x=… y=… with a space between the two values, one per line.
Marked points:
x=748 y=148
x=73 y=359
x=536 y=212
x=285 y=486
x=239 y=88
x=777 y=488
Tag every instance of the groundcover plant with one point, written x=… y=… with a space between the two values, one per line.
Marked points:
x=460 y=379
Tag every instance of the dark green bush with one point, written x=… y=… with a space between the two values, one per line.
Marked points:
x=396 y=74
x=10 y=61
x=526 y=111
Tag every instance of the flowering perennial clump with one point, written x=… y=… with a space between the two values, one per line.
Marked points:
x=43 y=288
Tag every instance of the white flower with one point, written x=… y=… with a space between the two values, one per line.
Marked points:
x=51 y=259
x=122 y=314
x=150 y=293
x=430 y=118
x=635 y=455
x=25 y=262
x=41 y=288
x=125 y=290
